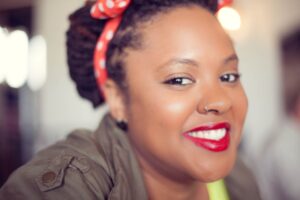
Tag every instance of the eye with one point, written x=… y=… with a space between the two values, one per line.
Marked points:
x=230 y=78
x=179 y=81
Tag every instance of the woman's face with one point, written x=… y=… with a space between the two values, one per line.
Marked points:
x=187 y=64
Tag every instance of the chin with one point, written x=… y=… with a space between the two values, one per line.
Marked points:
x=213 y=171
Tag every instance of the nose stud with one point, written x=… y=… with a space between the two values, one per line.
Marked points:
x=211 y=108
x=206 y=109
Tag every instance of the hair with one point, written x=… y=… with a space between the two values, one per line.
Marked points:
x=84 y=31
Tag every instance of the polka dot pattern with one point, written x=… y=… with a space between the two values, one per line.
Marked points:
x=112 y=10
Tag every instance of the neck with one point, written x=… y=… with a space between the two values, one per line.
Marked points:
x=161 y=186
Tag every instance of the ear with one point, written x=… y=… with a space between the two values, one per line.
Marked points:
x=114 y=99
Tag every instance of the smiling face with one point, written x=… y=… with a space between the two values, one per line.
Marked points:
x=187 y=65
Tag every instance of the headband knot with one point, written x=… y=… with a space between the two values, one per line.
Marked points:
x=104 y=9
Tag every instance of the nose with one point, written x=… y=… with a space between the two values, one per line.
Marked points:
x=215 y=101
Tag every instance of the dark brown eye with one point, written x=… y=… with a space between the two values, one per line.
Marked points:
x=230 y=78
x=179 y=81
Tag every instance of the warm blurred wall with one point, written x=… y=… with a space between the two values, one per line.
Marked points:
x=13 y=14
x=258 y=45
x=61 y=108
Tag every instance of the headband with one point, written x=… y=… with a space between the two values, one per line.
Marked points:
x=112 y=10
x=223 y=3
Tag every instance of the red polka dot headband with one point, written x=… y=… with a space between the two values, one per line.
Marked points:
x=112 y=10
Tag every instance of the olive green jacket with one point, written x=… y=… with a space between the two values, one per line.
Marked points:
x=99 y=165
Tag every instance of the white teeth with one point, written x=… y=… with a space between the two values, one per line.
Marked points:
x=209 y=134
x=206 y=134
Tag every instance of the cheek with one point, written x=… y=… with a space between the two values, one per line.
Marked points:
x=156 y=120
x=166 y=111
x=240 y=107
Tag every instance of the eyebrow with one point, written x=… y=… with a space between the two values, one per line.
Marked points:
x=231 y=58
x=183 y=61
x=193 y=63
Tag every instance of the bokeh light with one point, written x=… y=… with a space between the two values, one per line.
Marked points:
x=229 y=18
x=17 y=54
x=37 y=63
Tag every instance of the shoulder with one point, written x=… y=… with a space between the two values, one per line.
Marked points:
x=241 y=182
x=71 y=169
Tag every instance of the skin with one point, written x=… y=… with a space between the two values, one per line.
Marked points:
x=189 y=44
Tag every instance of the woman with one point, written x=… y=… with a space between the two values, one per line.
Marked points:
x=169 y=74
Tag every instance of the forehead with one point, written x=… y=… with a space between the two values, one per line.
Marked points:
x=185 y=32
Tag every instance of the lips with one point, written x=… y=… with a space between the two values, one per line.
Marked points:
x=214 y=137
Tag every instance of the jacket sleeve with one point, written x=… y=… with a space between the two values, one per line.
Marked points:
x=20 y=186
x=67 y=175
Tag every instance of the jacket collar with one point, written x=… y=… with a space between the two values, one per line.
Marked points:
x=123 y=166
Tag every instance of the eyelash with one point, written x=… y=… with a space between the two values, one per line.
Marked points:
x=230 y=78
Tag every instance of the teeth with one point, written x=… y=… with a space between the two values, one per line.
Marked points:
x=210 y=135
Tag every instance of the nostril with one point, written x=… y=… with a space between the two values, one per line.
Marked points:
x=212 y=111
x=207 y=109
x=216 y=107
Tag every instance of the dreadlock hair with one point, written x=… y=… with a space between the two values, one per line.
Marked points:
x=84 y=31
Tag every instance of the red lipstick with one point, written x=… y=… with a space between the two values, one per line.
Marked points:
x=213 y=137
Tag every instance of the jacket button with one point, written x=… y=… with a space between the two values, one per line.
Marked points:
x=48 y=177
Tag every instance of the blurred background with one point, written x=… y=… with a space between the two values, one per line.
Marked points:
x=39 y=104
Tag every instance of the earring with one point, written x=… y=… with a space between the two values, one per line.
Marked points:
x=122 y=125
